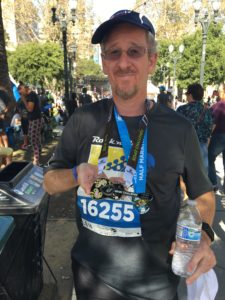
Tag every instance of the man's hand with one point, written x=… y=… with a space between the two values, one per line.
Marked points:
x=202 y=261
x=86 y=176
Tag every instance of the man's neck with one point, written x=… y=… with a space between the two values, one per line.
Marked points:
x=130 y=107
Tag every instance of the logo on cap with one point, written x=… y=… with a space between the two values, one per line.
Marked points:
x=120 y=13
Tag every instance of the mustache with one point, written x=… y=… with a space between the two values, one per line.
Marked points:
x=124 y=72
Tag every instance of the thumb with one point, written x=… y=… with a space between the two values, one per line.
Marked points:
x=172 y=249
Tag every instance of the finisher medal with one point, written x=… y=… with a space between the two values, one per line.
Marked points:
x=104 y=188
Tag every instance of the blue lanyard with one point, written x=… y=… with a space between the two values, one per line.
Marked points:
x=137 y=177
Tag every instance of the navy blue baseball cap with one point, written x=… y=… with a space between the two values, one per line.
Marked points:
x=122 y=16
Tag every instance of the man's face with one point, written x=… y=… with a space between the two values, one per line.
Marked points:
x=128 y=75
x=188 y=97
x=23 y=90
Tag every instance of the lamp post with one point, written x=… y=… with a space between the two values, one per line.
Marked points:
x=204 y=18
x=164 y=72
x=175 y=57
x=71 y=60
x=64 y=20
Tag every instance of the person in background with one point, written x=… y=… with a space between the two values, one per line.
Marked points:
x=165 y=99
x=162 y=89
x=56 y=113
x=199 y=116
x=15 y=124
x=24 y=123
x=16 y=120
x=84 y=98
x=217 y=142
x=124 y=247
x=72 y=104
x=4 y=102
x=32 y=104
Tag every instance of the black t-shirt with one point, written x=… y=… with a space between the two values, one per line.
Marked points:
x=137 y=265
x=36 y=113
x=22 y=110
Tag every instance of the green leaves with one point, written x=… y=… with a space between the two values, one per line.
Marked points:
x=88 y=68
x=188 y=66
x=36 y=63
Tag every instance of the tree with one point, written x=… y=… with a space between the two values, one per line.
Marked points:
x=87 y=68
x=162 y=69
x=4 y=73
x=83 y=30
x=37 y=64
x=189 y=65
x=27 y=20
x=80 y=34
x=50 y=32
x=170 y=18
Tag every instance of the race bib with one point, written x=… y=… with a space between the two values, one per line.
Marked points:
x=109 y=217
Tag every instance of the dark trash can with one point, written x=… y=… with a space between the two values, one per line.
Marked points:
x=23 y=198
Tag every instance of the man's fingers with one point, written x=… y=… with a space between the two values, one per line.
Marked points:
x=200 y=265
x=117 y=180
x=172 y=249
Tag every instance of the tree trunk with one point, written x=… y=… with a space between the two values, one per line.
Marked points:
x=4 y=71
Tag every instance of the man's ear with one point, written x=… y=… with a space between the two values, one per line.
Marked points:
x=104 y=67
x=152 y=63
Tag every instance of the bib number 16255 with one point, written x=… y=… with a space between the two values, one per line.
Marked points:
x=108 y=210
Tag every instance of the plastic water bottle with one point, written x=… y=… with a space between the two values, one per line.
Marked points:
x=188 y=236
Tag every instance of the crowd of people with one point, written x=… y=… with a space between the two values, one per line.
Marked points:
x=35 y=114
x=208 y=119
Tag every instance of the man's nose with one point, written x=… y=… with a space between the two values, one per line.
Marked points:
x=124 y=59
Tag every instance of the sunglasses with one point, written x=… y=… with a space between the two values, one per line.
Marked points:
x=133 y=52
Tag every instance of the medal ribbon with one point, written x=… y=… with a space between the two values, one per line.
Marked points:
x=136 y=154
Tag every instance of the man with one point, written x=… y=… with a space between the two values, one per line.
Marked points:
x=165 y=99
x=32 y=104
x=217 y=142
x=199 y=116
x=84 y=97
x=122 y=251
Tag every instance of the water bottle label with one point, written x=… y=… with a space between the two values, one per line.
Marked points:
x=188 y=233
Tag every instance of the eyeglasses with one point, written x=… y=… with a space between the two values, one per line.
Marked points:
x=133 y=52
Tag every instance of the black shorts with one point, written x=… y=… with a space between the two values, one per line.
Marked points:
x=24 y=126
x=90 y=287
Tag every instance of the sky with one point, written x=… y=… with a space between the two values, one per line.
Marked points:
x=105 y=8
